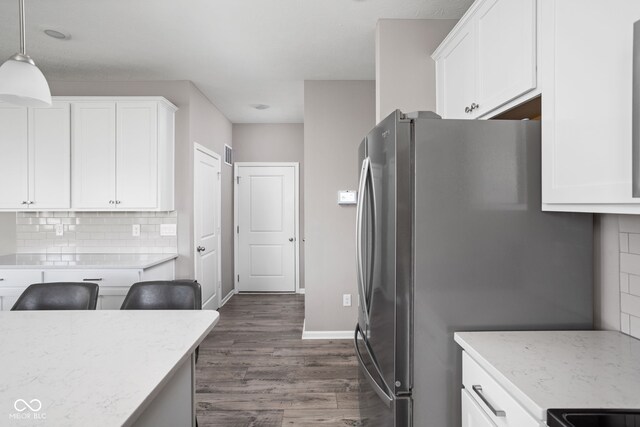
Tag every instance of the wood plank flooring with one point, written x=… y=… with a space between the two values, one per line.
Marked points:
x=254 y=370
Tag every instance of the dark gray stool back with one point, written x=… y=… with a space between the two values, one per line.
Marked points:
x=58 y=296
x=164 y=295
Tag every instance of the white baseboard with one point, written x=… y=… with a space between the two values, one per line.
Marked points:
x=325 y=335
x=301 y=291
x=227 y=298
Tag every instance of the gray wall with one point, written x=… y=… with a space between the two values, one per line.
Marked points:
x=405 y=72
x=274 y=143
x=337 y=115
x=197 y=119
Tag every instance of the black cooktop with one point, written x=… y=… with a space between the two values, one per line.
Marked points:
x=593 y=417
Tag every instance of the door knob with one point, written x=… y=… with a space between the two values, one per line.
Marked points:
x=201 y=248
x=291 y=239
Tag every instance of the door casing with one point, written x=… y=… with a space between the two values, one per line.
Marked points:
x=236 y=243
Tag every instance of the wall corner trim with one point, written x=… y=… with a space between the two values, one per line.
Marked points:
x=325 y=335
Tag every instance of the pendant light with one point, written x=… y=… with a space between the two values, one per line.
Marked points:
x=21 y=82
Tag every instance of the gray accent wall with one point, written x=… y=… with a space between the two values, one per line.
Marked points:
x=197 y=120
x=274 y=143
x=337 y=116
x=405 y=72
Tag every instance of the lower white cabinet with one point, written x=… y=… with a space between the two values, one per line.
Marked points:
x=472 y=413
x=496 y=405
x=114 y=283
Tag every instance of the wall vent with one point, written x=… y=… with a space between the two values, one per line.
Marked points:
x=228 y=155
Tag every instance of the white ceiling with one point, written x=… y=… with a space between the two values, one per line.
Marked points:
x=238 y=52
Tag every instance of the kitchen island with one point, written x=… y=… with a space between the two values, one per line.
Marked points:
x=100 y=368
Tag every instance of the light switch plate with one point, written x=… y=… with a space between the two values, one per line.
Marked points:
x=59 y=230
x=168 y=229
x=135 y=230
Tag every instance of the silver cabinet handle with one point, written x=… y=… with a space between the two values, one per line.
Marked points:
x=467 y=110
x=112 y=202
x=24 y=203
x=201 y=249
x=99 y=279
x=1 y=279
x=496 y=412
x=474 y=106
x=118 y=202
x=291 y=239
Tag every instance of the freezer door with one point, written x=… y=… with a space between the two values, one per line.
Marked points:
x=385 y=218
x=378 y=406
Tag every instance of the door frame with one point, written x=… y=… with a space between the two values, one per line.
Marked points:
x=198 y=147
x=296 y=227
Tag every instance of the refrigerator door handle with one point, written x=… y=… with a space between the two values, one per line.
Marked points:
x=359 y=220
x=382 y=394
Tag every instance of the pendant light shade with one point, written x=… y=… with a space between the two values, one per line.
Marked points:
x=21 y=82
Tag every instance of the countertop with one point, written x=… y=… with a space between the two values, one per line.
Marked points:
x=79 y=261
x=560 y=369
x=93 y=367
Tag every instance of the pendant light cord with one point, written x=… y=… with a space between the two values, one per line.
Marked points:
x=23 y=47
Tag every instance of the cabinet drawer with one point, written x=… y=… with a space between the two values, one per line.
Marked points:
x=19 y=278
x=480 y=385
x=104 y=278
x=472 y=414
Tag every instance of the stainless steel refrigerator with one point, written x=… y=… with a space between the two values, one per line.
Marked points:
x=451 y=237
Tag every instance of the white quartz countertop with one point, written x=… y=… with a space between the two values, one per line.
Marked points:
x=93 y=368
x=80 y=261
x=560 y=369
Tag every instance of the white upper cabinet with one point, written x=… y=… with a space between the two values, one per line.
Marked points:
x=123 y=154
x=456 y=72
x=587 y=52
x=94 y=155
x=35 y=145
x=50 y=157
x=14 y=157
x=488 y=59
x=137 y=155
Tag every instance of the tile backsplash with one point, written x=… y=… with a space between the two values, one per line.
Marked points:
x=93 y=232
x=630 y=274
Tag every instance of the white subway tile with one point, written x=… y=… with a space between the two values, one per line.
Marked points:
x=630 y=263
x=630 y=304
x=634 y=285
x=624 y=282
x=624 y=323
x=629 y=223
x=624 y=242
x=634 y=326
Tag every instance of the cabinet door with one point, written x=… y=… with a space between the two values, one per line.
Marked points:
x=137 y=155
x=456 y=76
x=506 y=40
x=587 y=158
x=472 y=414
x=50 y=157
x=13 y=157
x=93 y=142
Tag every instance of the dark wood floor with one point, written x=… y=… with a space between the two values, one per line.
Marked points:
x=255 y=370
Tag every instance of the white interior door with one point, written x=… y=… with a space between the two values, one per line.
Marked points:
x=266 y=227
x=207 y=225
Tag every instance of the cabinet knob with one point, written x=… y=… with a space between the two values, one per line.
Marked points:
x=474 y=106
x=201 y=248
x=111 y=202
x=118 y=202
x=24 y=203
x=467 y=110
x=291 y=239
